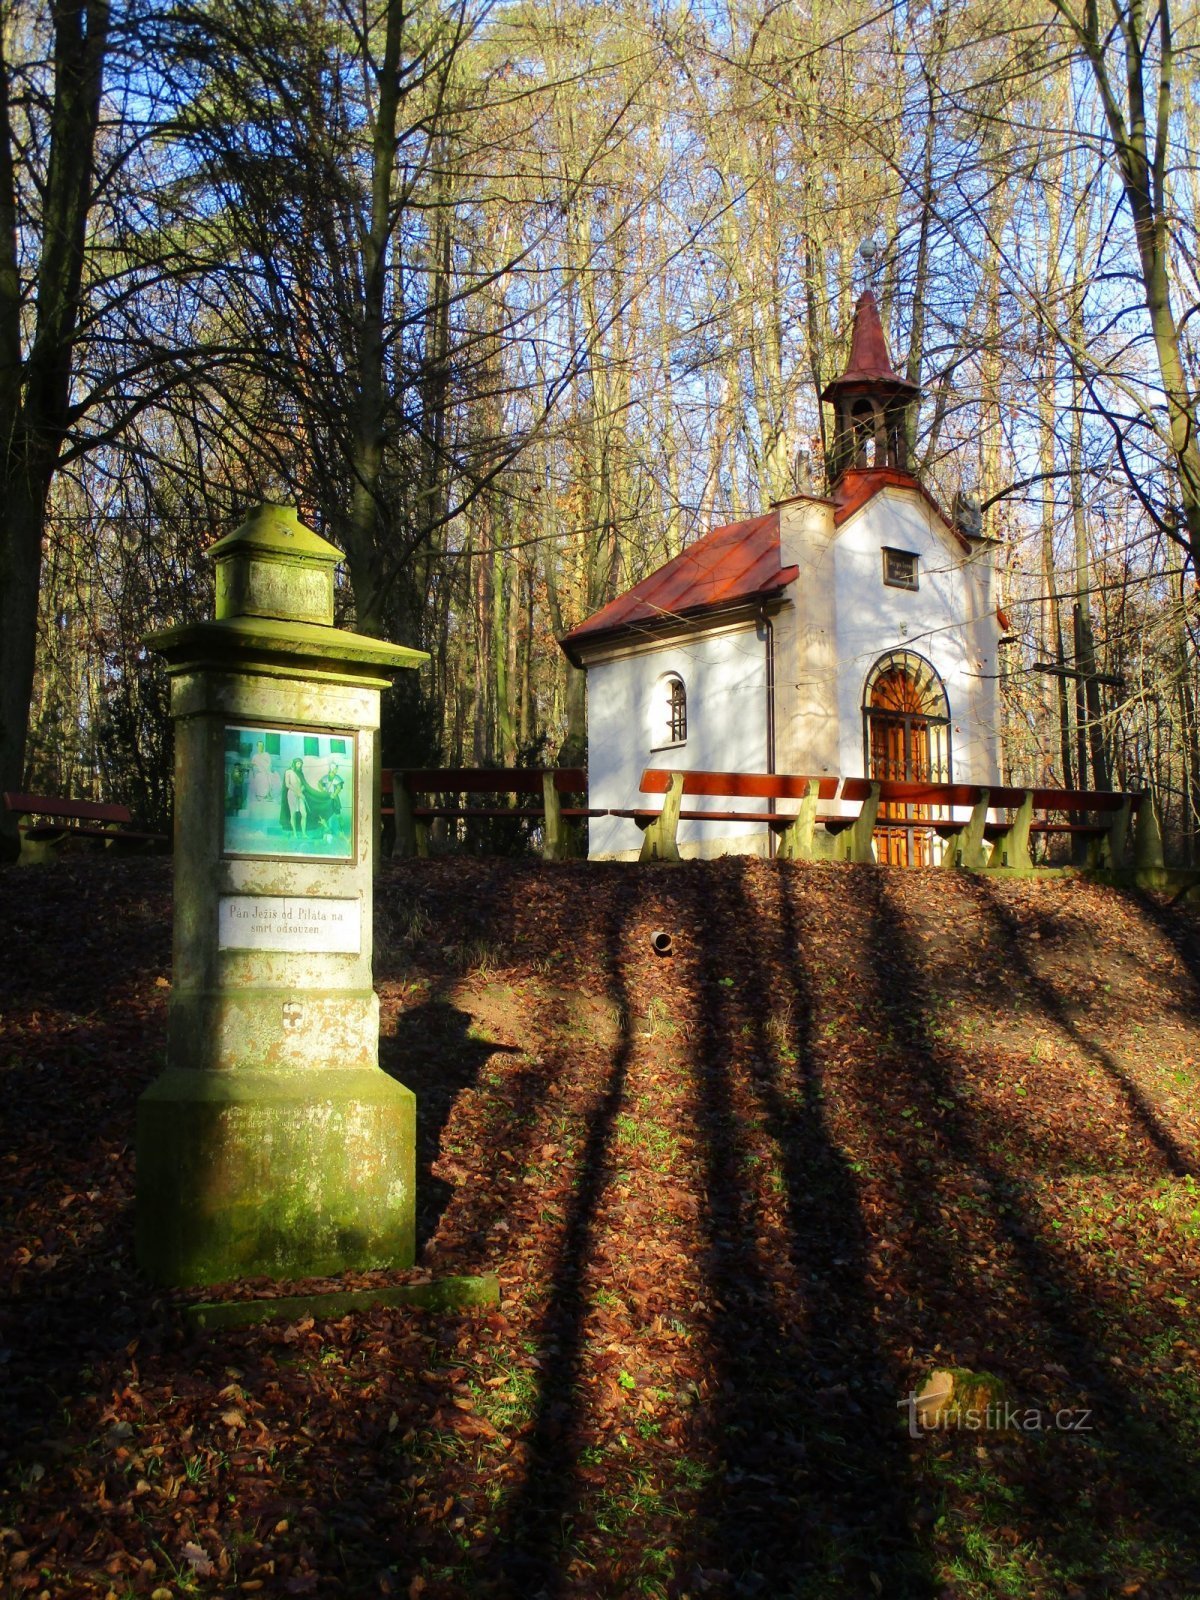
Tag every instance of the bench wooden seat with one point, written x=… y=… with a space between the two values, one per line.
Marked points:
x=993 y=830
x=776 y=819
x=404 y=802
x=1106 y=840
x=96 y=822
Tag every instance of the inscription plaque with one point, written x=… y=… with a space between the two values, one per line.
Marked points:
x=289 y=922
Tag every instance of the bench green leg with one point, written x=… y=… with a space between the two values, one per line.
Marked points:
x=796 y=842
x=659 y=841
x=858 y=840
x=1011 y=849
x=1110 y=850
x=966 y=848
x=1147 y=835
x=37 y=852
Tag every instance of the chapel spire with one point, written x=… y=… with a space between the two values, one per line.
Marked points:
x=869 y=401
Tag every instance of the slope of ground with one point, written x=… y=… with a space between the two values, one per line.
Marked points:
x=860 y=1124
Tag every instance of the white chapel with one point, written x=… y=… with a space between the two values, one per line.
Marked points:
x=848 y=635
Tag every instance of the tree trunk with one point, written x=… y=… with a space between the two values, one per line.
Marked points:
x=35 y=391
x=1057 y=691
x=362 y=533
x=1088 y=709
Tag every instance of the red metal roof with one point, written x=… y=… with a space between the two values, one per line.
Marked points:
x=730 y=565
x=870 y=364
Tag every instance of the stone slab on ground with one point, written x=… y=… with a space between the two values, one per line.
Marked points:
x=438 y=1294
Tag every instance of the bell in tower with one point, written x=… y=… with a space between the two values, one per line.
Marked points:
x=869 y=402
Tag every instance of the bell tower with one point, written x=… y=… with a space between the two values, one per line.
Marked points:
x=869 y=402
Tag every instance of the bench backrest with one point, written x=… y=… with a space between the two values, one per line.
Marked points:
x=44 y=805
x=1083 y=799
x=895 y=791
x=900 y=791
x=741 y=785
x=892 y=791
x=483 y=780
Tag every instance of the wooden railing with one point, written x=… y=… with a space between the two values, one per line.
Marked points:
x=414 y=798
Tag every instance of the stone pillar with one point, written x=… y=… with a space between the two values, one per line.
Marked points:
x=273 y=1144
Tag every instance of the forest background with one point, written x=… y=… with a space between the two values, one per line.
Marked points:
x=515 y=301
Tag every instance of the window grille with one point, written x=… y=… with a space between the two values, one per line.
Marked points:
x=677 y=709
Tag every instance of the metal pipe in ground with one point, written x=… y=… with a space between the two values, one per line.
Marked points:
x=661 y=942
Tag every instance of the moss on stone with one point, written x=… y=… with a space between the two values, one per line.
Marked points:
x=438 y=1294
x=285 y=1175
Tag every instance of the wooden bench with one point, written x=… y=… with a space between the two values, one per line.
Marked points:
x=977 y=843
x=1036 y=816
x=795 y=829
x=60 y=822
x=403 y=789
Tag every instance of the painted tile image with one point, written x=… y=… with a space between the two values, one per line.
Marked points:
x=289 y=792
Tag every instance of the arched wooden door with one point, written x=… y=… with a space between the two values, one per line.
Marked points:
x=906 y=720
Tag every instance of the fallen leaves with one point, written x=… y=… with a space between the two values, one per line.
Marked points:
x=860 y=1125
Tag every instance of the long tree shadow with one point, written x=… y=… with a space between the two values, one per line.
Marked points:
x=1135 y=1462
x=813 y=1497
x=534 y=1557
x=1017 y=963
x=1177 y=922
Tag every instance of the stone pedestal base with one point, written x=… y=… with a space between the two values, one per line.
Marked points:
x=274 y=1174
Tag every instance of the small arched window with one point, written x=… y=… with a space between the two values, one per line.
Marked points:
x=668 y=712
x=677 y=709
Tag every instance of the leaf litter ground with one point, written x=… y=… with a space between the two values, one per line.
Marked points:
x=861 y=1124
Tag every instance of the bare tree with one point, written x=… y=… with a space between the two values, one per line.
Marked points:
x=43 y=234
x=1130 y=50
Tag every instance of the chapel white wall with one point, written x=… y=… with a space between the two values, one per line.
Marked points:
x=949 y=620
x=844 y=618
x=806 y=645
x=724 y=673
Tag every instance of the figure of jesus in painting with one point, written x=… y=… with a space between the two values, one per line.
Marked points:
x=293 y=813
